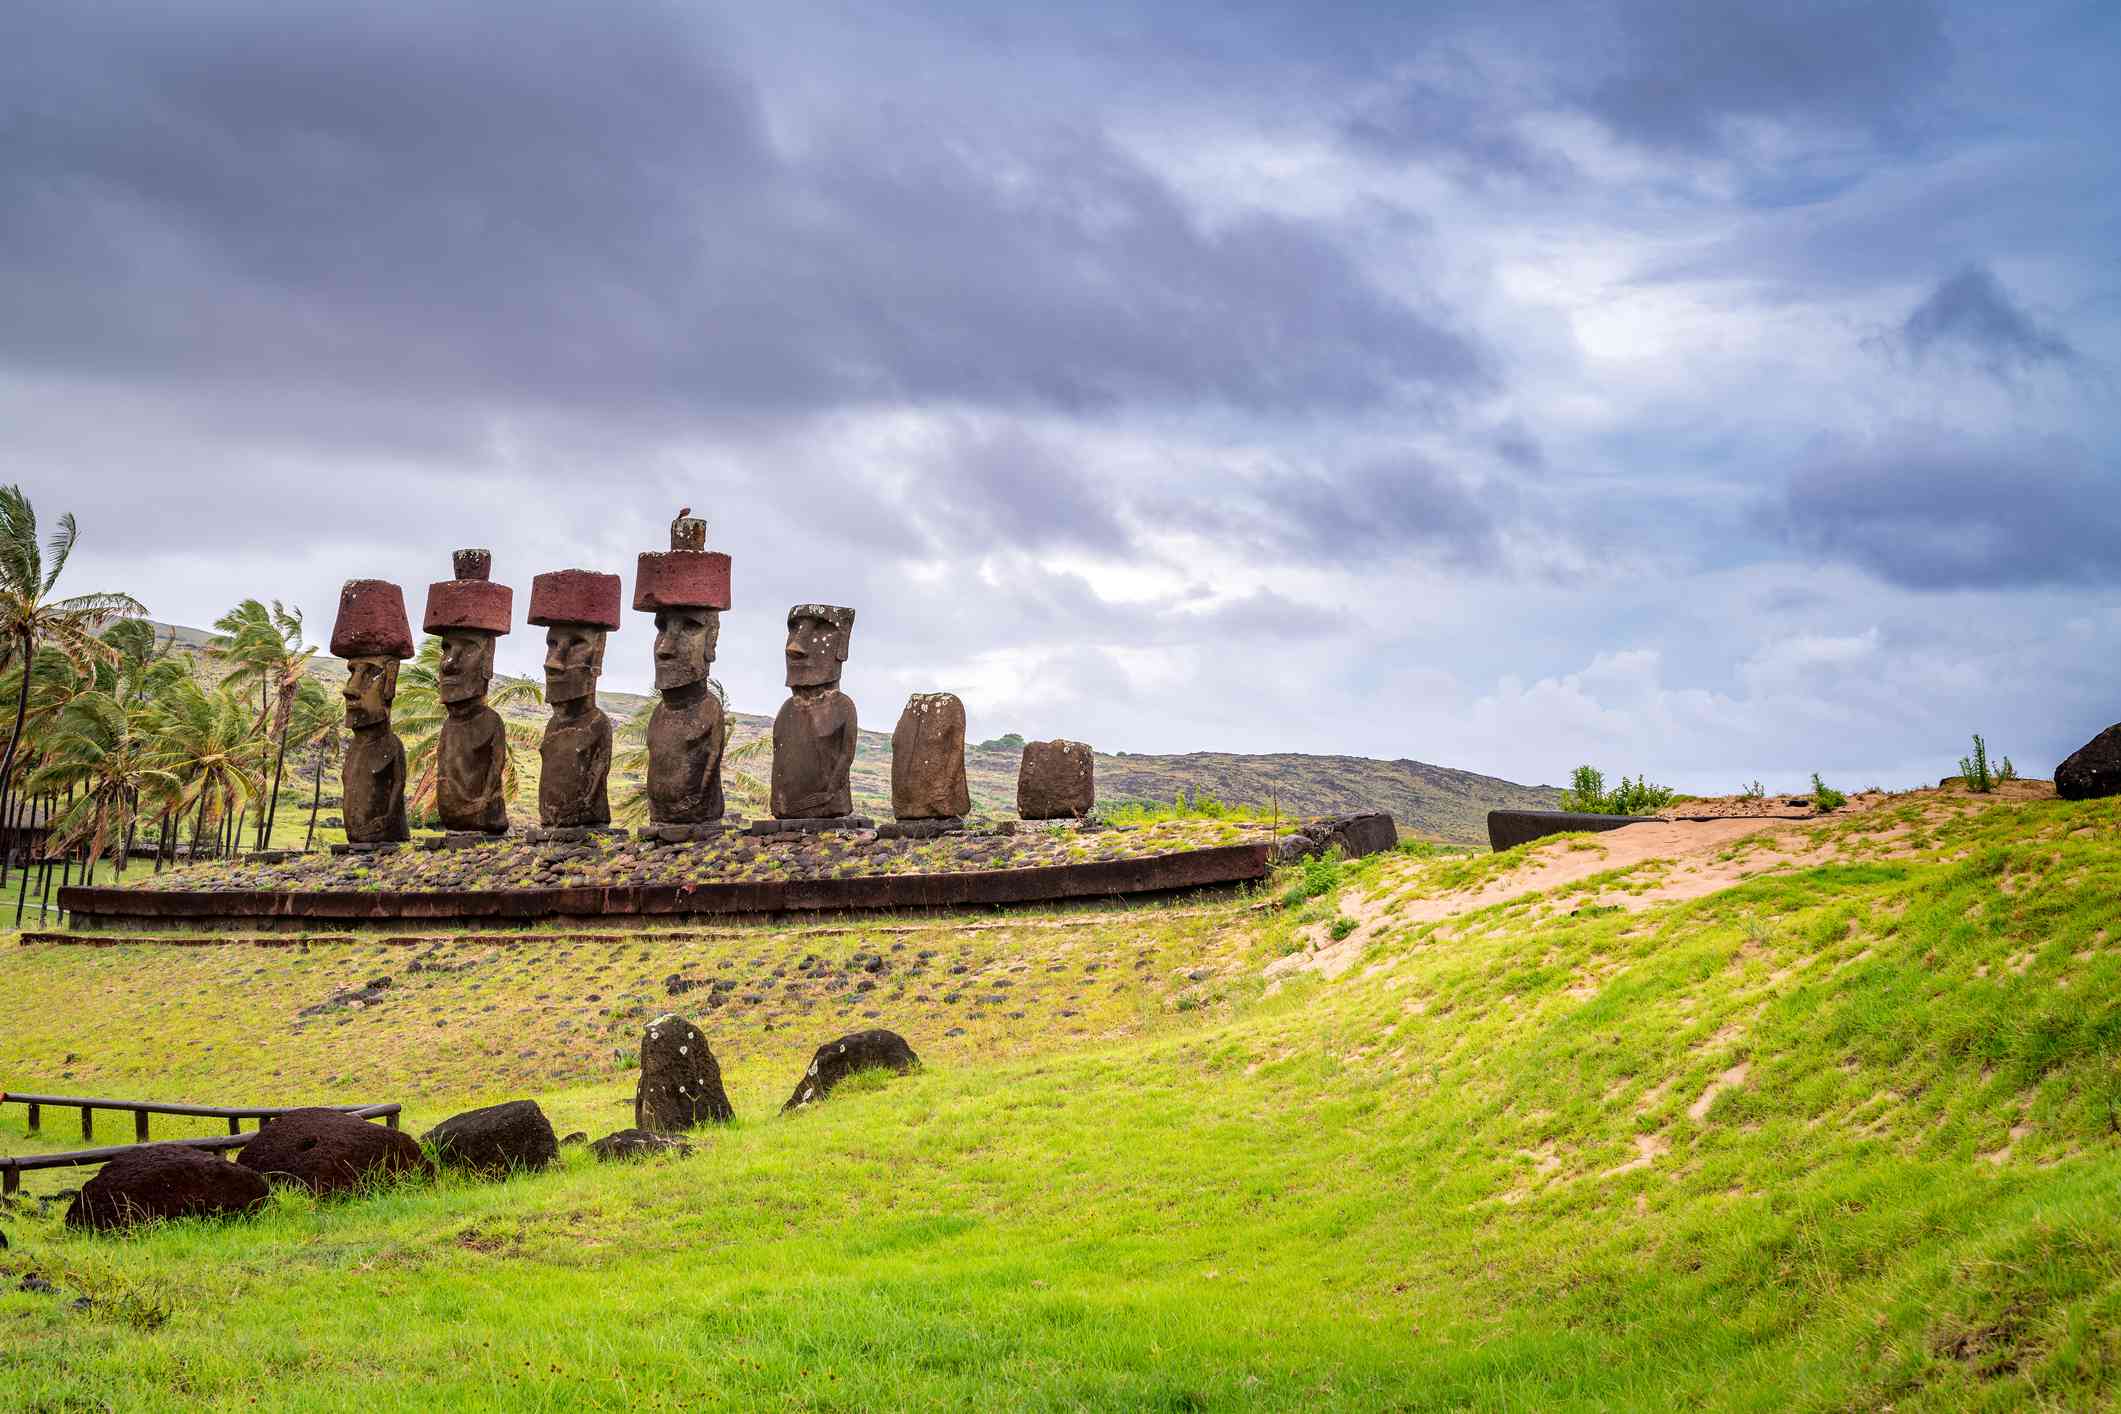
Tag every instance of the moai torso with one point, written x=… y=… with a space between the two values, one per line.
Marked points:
x=470 y=757
x=576 y=762
x=373 y=787
x=813 y=752
x=685 y=746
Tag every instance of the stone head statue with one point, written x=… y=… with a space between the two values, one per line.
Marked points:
x=576 y=608
x=469 y=612
x=373 y=635
x=817 y=644
x=686 y=587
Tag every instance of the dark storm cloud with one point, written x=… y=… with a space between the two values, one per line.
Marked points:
x=555 y=204
x=1929 y=515
x=1971 y=313
x=1678 y=72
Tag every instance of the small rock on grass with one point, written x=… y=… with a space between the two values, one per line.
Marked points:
x=495 y=1139
x=876 y=1049
x=638 y=1144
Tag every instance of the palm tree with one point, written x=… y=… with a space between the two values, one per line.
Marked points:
x=265 y=646
x=212 y=745
x=314 y=724
x=418 y=715
x=102 y=747
x=30 y=618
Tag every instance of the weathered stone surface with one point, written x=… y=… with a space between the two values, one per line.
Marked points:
x=813 y=755
x=1057 y=780
x=495 y=1139
x=681 y=579
x=165 y=1182
x=681 y=1084
x=469 y=759
x=1509 y=828
x=687 y=735
x=470 y=601
x=587 y=598
x=372 y=621
x=2093 y=770
x=329 y=1151
x=928 y=759
x=920 y=829
x=812 y=825
x=836 y=1060
x=575 y=757
x=637 y=1144
x=1353 y=835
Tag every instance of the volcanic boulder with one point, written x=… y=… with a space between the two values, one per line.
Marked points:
x=330 y=1151
x=165 y=1182
x=2093 y=770
x=1056 y=781
x=496 y=1139
x=637 y=1144
x=836 y=1060
x=681 y=1084
x=928 y=759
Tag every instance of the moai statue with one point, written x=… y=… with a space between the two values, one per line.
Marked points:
x=470 y=612
x=813 y=737
x=373 y=636
x=928 y=764
x=576 y=608
x=687 y=589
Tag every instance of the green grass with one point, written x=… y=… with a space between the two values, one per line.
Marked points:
x=1484 y=1170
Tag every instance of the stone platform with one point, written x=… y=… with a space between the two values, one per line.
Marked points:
x=141 y=909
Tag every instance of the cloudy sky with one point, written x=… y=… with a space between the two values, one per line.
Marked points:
x=1722 y=391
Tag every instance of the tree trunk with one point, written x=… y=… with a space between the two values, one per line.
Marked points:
x=7 y=762
x=272 y=810
x=316 y=798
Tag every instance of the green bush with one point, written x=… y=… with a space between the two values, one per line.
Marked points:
x=1975 y=770
x=1824 y=796
x=1587 y=793
x=1320 y=876
x=1342 y=926
x=1753 y=792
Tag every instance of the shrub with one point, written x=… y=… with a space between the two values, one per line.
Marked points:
x=1320 y=876
x=1824 y=796
x=1587 y=793
x=1753 y=792
x=1342 y=926
x=1975 y=768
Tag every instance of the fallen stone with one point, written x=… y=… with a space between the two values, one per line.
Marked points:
x=637 y=1144
x=495 y=1139
x=158 y=1182
x=1353 y=835
x=2093 y=770
x=681 y=1083
x=329 y=1151
x=1509 y=828
x=836 y=1060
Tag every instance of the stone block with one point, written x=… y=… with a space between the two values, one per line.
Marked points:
x=371 y=622
x=575 y=597
x=681 y=579
x=928 y=759
x=1056 y=781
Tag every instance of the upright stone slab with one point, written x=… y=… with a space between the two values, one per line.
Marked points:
x=814 y=734
x=687 y=589
x=374 y=636
x=576 y=608
x=681 y=1084
x=928 y=759
x=1056 y=781
x=470 y=612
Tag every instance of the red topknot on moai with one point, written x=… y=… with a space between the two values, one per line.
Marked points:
x=373 y=636
x=686 y=587
x=470 y=612
x=576 y=608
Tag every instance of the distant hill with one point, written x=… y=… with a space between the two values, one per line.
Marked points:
x=1434 y=801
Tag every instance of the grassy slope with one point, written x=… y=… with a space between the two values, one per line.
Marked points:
x=1408 y=1187
x=1434 y=801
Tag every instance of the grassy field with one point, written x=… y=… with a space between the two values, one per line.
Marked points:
x=1845 y=1134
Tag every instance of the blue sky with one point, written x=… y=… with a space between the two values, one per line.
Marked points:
x=1722 y=391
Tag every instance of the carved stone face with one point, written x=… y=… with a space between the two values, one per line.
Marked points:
x=574 y=660
x=371 y=686
x=684 y=646
x=815 y=650
x=467 y=665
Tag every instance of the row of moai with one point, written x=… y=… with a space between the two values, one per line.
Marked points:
x=686 y=588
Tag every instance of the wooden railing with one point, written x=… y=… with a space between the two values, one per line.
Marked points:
x=12 y=1169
